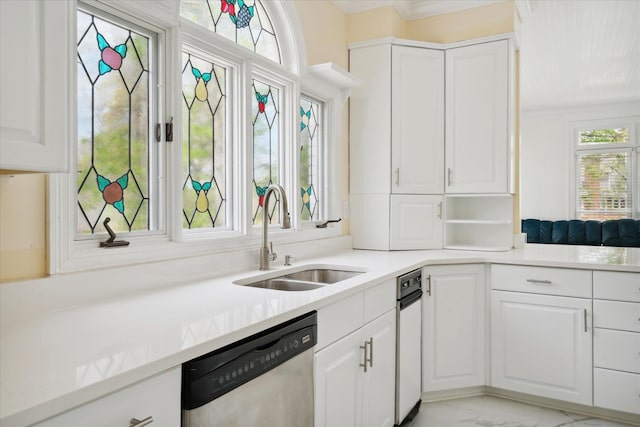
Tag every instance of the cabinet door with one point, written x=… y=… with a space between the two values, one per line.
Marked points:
x=35 y=109
x=380 y=378
x=157 y=397
x=541 y=345
x=417 y=120
x=338 y=382
x=477 y=118
x=416 y=222
x=453 y=327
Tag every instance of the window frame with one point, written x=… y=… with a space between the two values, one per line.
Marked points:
x=632 y=146
x=66 y=254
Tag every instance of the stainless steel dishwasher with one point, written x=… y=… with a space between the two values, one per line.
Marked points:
x=263 y=380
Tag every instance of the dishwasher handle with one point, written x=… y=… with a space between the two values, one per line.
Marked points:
x=410 y=299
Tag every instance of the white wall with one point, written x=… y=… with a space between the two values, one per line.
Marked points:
x=546 y=157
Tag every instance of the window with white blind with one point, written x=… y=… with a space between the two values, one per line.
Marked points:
x=606 y=176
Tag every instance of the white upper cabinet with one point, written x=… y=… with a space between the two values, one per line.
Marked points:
x=36 y=109
x=417 y=120
x=370 y=120
x=479 y=111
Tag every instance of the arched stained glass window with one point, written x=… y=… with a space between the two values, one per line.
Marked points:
x=245 y=22
x=113 y=126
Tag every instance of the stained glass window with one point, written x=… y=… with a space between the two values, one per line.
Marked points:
x=113 y=126
x=266 y=146
x=204 y=143
x=310 y=159
x=243 y=21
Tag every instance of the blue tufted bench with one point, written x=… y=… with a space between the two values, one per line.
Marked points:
x=619 y=232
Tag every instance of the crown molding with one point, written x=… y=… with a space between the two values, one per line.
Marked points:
x=413 y=9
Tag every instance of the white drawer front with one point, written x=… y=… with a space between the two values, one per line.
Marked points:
x=614 y=285
x=618 y=350
x=541 y=280
x=157 y=397
x=379 y=299
x=616 y=390
x=616 y=315
x=339 y=319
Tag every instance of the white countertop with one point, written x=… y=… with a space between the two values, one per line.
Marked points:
x=69 y=339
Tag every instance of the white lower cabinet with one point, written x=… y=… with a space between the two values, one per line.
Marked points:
x=541 y=345
x=157 y=397
x=453 y=353
x=355 y=374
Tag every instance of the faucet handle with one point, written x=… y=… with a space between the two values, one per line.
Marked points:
x=272 y=254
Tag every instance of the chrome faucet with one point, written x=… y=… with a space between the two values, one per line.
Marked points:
x=266 y=254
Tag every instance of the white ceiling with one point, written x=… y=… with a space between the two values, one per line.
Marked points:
x=573 y=52
x=576 y=52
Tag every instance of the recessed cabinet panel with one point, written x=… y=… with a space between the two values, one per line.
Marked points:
x=417 y=120
x=542 y=345
x=416 y=222
x=477 y=118
x=35 y=106
x=453 y=327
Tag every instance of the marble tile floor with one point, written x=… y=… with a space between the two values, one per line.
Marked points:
x=488 y=411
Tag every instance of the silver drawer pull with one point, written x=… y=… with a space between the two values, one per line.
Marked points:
x=585 y=320
x=371 y=352
x=139 y=423
x=546 y=282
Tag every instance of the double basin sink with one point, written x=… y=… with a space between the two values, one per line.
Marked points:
x=309 y=278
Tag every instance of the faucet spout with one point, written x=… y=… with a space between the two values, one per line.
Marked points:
x=266 y=254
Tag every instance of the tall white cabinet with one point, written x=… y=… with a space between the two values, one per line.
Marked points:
x=404 y=173
x=397 y=147
x=36 y=106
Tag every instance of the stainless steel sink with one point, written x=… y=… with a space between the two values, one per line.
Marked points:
x=322 y=275
x=282 y=284
x=301 y=280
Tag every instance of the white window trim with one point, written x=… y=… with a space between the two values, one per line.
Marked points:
x=630 y=122
x=325 y=82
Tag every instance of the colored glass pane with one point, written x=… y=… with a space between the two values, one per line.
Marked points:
x=266 y=146
x=310 y=155
x=113 y=126
x=245 y=22
x=204 y=143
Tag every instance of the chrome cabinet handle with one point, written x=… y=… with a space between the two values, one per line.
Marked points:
x=370 y=352
x=440 y=210
x=546 y=282
x=397 y=177
x=139 y=423
x=449 y=177
x=585 y=320
x=364 y=347
x=429 y=285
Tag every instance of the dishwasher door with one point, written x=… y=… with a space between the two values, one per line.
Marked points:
x=263 y=380
x=408 y=358
x=282 y=397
